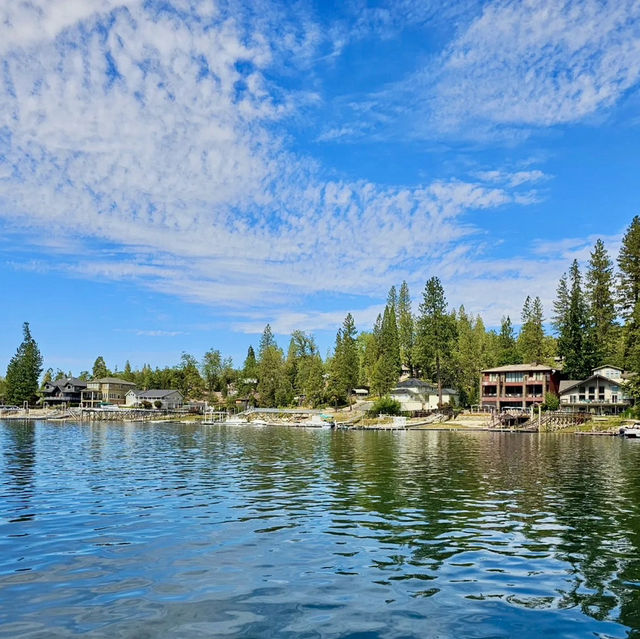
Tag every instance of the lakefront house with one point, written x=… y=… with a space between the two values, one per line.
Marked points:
x=158 y=398
x=601 y=393
x=63 y=392
x=416 y=395
x=517 y=385
x=107 y=390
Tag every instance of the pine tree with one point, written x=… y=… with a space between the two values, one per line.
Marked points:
x=507 y=345
x=435 y=335
x=24 y=370
x=531 y=339
x=100 y=369
x=387 y=366
x=128 y=374
x=405 y=327
x=561 y=314
x=629 y=292
x=469 y=356
x=577 y=349
x=602 y=312
x=349 y=356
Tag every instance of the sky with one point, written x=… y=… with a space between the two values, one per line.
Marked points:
x=175 y=174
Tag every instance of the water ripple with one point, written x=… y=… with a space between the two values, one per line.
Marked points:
x=133 y=530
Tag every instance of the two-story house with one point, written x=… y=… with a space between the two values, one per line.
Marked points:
x=601 y=393
x=517 y=385
x=107 y=390
x=66 y=391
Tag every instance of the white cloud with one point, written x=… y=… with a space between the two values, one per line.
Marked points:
x=540 y=62
x=156 y=135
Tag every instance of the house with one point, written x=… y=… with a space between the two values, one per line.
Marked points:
x=66 y=391
x=107 y=390
x=416 y=395
x=517 y=385
x=169 y=399
x=601 y=393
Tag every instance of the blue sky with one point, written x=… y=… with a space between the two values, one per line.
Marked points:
x=176 y=174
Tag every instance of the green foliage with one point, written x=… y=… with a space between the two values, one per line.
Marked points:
x=24 y=370
x=385 y=406
x=3 y=390
x=186 y=378
x=531 y=339
x=601 y=304
x=572 y=323
x=211 y=368
x=386 y=369
x=343 y=372
x=507 y=345
x=274 y=388
x=406 y=335
x=100 y=369
x=158 y=404
x=435 y=336
x=551 y=402
x=470 y=356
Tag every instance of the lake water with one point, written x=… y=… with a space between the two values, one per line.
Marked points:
x=112 y=530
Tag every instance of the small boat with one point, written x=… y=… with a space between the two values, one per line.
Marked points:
x=632 y=432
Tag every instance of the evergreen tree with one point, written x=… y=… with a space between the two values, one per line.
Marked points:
x=469 y=356
x=507 y=348
x=629 y=265
x=629 y=293
x=387 y=367
x=435 y=336
x=577 y=349
x=560 y=317
x=601 y=304
x=128 y=374
x=531 y=342
x=100 y=369
x=405 y=327
x=266 y=341
x=348 y=361
x=24 y=370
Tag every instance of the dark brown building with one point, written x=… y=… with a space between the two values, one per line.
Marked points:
x=517 y=385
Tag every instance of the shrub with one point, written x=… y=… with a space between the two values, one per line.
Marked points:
x=551 y=402
x=386 y=406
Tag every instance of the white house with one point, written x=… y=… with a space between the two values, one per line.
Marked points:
x=416 y=395
x=603 y=392
x=169 y=399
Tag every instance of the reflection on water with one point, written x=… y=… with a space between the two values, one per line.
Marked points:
x=111 y=530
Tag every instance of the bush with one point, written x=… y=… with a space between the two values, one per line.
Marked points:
x=158 y=404
x=551 y=402
x=386 y=406
x=145 y=404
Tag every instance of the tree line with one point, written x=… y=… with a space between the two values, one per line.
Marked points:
x=595 y=320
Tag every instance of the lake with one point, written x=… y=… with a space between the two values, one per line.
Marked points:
x=173 y=530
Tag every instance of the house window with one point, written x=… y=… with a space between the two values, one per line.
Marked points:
x=582 y=398
x=514 y=377
x=614 y=399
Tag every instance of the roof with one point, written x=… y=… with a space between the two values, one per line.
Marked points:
x=155 y=393
x=569 y=384
x=597 y=368
x=518 y=368
x=112 y=380
x=73 y=381
x=413 y=382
